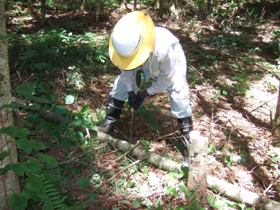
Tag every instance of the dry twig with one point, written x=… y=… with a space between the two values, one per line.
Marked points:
x=127 y=167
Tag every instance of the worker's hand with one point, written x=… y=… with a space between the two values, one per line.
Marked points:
x=136 y=100
x=132 y=100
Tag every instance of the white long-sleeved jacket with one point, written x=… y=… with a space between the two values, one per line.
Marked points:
x=161 y=65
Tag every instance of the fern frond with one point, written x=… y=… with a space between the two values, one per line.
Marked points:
x=54 y=199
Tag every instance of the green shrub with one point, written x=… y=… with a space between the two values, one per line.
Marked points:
x=52 y=50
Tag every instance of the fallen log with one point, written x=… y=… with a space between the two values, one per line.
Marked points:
x=153 y=158
x=229 y=190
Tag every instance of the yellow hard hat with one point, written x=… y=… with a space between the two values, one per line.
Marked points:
x=132 y=40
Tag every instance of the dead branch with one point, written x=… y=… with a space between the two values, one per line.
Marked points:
x=154 y=159
x=127 y=167
x=231 y=191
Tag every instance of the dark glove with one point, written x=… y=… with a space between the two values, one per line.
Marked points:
x=136 y=100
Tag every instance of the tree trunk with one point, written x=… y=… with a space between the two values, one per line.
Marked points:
x=82 y=6
x=8 y=181
x=123 y=5
x=209 y=5
x=43 y=10
x=157 y=4
x=134 y=5
x=99 y=10
x=276 y=127
x=32 y=10
x=174 y=10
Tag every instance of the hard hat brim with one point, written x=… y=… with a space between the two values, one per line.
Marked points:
x=146 y=46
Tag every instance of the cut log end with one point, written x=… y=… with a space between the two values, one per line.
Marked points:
x=197 y=177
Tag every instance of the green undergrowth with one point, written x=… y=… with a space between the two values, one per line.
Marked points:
x=46 y=126
x=51 y=50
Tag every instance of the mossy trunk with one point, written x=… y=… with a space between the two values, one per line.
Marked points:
x=8 y=181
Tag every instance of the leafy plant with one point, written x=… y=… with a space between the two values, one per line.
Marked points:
x=41 y=51
x=41 y=172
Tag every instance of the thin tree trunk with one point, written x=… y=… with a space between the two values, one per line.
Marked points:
x=99 y=10
x=174 y=10
x=277 y=113
x=123 y=5
x=276 y=126
x=209 y=5
x=157 y=4
x=9 y=181
x=43 y=10
x=82 y=6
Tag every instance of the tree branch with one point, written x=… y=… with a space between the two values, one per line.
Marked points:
x=229 y=190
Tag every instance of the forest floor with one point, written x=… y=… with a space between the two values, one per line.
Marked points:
x=233 y=93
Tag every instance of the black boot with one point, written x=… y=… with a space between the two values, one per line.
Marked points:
x=113 y=112
x=185 y=126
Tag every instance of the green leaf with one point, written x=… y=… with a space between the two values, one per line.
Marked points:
x=18 y=201
x=171 y=191
x=11 y=131
x=93 y=197
x=61 y=110
x=24 y=145
x=15 y=132
x=3 y=155
x=47 y=206
x=145 y=144
x=36 y=145
x=85 y=110
x=185 y=190
x=50 y=160
x=18 y=168
x=69 y=99
x=26 y=90
x=83 y=182
x=211 y=200
x=34 y=183
x=39 y=99
x=34 y=107
x=29 y=145
x=33 y=165
x=22 y=132
x=275 y=159
x=136 y=204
